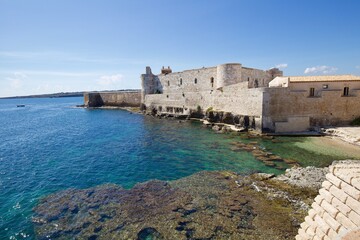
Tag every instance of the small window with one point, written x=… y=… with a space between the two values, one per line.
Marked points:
x=212 y=81
x=183 y=94
x=167 y=96
x=325 y=86
x=248 y=79
x=168 y=83
x=312 y=92
x=195 y=80
x=256 y=83
x=180 y=81
x=346 y=91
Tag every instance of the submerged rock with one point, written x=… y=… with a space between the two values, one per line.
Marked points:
x=206 y=205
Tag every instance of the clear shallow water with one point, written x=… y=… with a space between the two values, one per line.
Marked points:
x=49 y=146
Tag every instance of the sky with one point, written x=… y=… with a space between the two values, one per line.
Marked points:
x=49 y=46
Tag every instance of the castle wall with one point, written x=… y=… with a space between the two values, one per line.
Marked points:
x=236 y=99
x=327 y=107
x=335 y=214
x=256 y=77
x=203 y=79
x=119 y=99
x=228 y=74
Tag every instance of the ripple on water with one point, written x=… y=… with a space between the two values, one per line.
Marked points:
x=48 y=147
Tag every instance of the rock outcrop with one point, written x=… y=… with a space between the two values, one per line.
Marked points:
x=206 y=205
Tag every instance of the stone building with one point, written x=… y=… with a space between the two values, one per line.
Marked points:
x=260 y=99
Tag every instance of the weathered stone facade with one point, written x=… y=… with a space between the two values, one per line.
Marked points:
x=335 y=214
x=116 y=99
x=275 y=103
x=227 y=87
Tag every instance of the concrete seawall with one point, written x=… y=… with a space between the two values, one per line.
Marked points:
x=115 y=98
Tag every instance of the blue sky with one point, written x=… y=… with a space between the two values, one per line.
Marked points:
x=72 y=45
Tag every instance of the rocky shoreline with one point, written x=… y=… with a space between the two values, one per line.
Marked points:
x=349 y=134
x=206 y=205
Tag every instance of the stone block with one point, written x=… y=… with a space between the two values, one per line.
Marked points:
x=353 y=204
x=319 y=232
x=321 y=223
x=310 y=230
x=355 y=218
x=350 y=190
x=338 y=193
x=331 y=210
x=319 y=199
x=304 y=225
x=303 y=235
x=316 y=238
x=318 y=209
x=345 y=221
x=326 y=195
x=326 y=237
x=341 y=230
x=332 y=234
x=331 y=221
x=326 y=185
x=312 y=214
x=355 y=182
x=343 y=208
x=345 y=178
x=333 y=179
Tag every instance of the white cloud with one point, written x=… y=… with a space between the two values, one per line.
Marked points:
x=108 y=80
x=282 y=65
x=320 y=70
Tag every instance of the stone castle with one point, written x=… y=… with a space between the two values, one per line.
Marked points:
x=264 y=100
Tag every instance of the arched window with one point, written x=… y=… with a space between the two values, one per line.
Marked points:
x=180 y=81
x=168 y=83
x=346 y=91
x=195 y=81
x=212 y=81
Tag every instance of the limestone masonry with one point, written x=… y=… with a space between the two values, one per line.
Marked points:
x=264 y=100
x=113 y=98
x=335 y=214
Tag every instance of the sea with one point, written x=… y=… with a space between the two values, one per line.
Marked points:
x=51 y=145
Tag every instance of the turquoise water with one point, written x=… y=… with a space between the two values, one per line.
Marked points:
x=49 y=146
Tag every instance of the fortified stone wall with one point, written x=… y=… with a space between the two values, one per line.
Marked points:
x=227 y=87
x=236 y=99
x=118 y=99
x=335 y=214
x=326 y=108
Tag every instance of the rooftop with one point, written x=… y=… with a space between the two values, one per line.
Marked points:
x=332 y=78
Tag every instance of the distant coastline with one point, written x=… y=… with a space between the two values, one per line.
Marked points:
x=63 y=94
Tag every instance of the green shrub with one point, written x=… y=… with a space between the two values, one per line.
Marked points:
x=355 y=122
x=210 y=109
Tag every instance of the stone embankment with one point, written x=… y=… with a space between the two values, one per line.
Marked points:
x=113 y=99
x=335 y=214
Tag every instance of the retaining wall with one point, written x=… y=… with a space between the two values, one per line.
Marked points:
x=118 y=99
x=335 y=214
